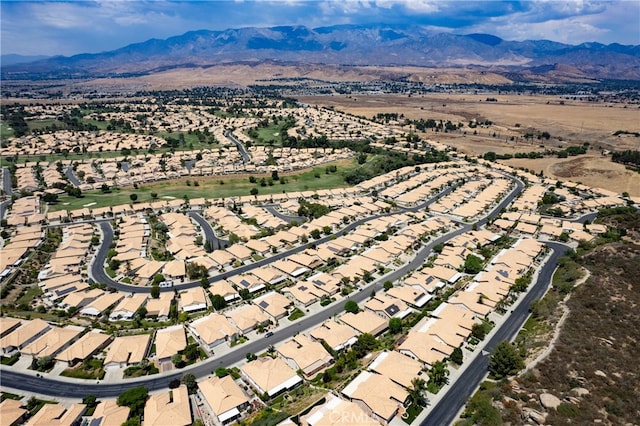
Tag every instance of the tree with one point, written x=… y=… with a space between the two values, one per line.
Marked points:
x=177 y=361
x=135 y=399
x=192 y=351
x=439 y=374
x=50 y=198
x=416 y=392
x=218 y=302
x=315 y=233
x=141 y=312
x=351 y=306
x=245 y=294
x=366 y=343
x=472 y=264
x=155 y=291
x=490 y=156
x=505 y=360
x=90 y=401
x=254 y=191
x=189 y=380
x=388 y=285
x=478 y=331
x=196 y=271
x=395 y=325
x=133 y=197
x=221 y=372
x=157 y=279
x=457 y=356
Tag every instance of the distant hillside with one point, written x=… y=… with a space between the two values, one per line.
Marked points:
x=12 y=59
x=342 y=45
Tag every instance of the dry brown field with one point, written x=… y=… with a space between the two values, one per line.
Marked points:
x=570 y=122
x=592 y=170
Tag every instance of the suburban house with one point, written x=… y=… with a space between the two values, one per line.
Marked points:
x=224 y=398
x=128 y=307
x=57 y=415
x=168 y=408
x=387 y=306
x=224 y=289
x=125 y=351
x=247 y=317
x=52 y=342
x=26 y=333
x=365 y=322
x=305 y=354
x=86 y=346
x=337 y=335
x=377 y=395
x=169 y=341
x=193 y=300
x=337 y=411
x=213 y=330
x=270 y=376
x=399 y=368
x=101 y=304
x=274 y=304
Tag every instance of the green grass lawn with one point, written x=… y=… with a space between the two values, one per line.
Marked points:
x=210 y=188
x=31 y=293
x=297 y=313
x=5 y=131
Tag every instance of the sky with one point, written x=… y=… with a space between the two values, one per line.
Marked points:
x=73 y=27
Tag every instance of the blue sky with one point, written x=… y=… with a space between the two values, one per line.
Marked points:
x=71 y=27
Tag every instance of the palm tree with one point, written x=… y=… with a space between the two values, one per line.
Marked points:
x=416 y=392
x=438 y=375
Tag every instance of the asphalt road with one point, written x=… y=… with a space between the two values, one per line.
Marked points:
x=72 y=178
x=209 y=234
x=289 y=219
x=241 y=149
x=447 y=409
x=52 y=386
x=6 y=182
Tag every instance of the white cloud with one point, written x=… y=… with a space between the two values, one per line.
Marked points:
x=570 y=31
x=416 y=6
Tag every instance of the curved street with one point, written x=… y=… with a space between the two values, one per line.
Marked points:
x=241 y=149
x=209 y=233
x=71 y=176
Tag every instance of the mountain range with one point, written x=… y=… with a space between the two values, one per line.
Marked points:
x=345 y=45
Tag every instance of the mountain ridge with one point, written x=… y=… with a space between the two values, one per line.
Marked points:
x=356 y=45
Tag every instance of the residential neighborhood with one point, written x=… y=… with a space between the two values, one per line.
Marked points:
x=352 y=299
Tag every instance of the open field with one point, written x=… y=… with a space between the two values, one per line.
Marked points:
x=247 y=73
x=211 y=187
x=572 y=123
x=592 y=170
x=572 y=120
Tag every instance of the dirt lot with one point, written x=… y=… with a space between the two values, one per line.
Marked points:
x=570 y=122
x=592 y=170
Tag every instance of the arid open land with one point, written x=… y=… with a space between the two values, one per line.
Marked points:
x=270 y=244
